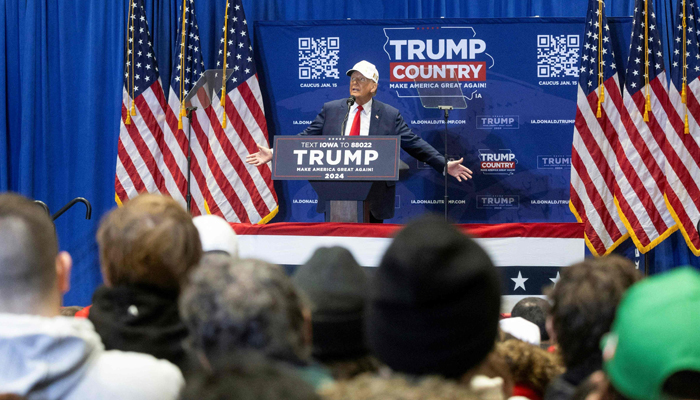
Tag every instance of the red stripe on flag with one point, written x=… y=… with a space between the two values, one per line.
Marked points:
x=675 y=119
x=592 y=145
x=596 y=201
x=155 y=129
x=172 y=118
x=144 y=152
x=608 y=177
x=257 y=113
x=248 y=141
x=130 y=168
x=677 y=164
x=254 y=107
x=685 y=221
x=119 y=190
x=632 y=175
x=221 y=180
x=693 y=109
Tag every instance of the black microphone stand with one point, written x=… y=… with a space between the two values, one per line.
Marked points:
x=447 y=116
x=350 y=101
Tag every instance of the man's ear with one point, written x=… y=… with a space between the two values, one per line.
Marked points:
x=549 y=325
x=64 y=263
x=308 y=330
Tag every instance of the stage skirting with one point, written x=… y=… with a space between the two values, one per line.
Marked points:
x=528 y=256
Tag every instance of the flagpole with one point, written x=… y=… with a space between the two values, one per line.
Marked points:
x=188 y=113
x=601 y=66
x=130 y=65
x=223 y=83
x=647 y=102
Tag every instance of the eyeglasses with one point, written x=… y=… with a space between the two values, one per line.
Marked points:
x=361 y=79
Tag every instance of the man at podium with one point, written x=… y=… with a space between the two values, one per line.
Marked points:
x=361 y=115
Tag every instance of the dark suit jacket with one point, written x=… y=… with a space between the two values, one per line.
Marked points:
x=385 y=120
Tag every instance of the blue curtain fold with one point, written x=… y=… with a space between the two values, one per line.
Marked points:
x=61 y=91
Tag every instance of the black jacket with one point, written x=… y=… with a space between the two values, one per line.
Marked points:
x=142 y=319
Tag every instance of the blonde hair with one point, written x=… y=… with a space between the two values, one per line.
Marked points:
x=150 y=240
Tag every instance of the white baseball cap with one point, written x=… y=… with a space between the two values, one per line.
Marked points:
x=522 y=329
x=367 y=69
x=216 y=234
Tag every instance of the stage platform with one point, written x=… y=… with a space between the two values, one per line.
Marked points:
x=528 y=256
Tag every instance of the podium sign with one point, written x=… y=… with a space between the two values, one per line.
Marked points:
x=336 y=158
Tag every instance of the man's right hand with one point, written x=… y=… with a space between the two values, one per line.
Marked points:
x=263 y=156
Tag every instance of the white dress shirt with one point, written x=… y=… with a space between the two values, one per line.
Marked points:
x=365 y=118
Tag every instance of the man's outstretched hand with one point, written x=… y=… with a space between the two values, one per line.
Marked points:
x=263 y=156
x=456 y=169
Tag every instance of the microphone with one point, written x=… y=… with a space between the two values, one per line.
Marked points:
x=350 y=101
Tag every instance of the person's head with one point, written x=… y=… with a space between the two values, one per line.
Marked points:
x=434 y=301
x=535 y=310
x=584 y=301
x=652 y=350
x=530 y=365
x=336 y=287
x=150 y=240
x=33 y=274
x=364 y=79
x=247 y=376
x=233 y=304
x=216 y=235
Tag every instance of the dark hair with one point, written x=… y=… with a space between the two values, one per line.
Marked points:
x=584 y=301
x=535 y=310
x=70 y=311
x=234 y=304
x=247 y=377
x=150 y=240
x=28 y=248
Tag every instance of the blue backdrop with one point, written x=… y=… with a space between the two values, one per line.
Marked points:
x=520 y=89
x=62 y=83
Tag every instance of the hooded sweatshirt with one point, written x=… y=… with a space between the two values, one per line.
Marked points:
x=64 y=358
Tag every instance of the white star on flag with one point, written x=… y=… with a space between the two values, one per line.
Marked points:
x=519 y=281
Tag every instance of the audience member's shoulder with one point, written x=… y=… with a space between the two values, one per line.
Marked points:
x=134 y=376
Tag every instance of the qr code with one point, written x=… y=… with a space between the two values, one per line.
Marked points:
x=318 y=57
x=557 y=56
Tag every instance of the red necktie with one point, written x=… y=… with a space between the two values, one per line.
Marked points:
x=355 y=129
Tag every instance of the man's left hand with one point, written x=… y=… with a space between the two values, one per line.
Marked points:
x=459 y=171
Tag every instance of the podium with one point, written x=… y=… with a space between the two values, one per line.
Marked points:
x=344 y=171
x=344 y=201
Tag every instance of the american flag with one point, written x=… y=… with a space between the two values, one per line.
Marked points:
x=188 y=67
x=683 y=155
x=641 y=138
x=241 y=192
x=141 y=143
x=593 y=158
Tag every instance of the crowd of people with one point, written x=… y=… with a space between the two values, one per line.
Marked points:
x=181 y=316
